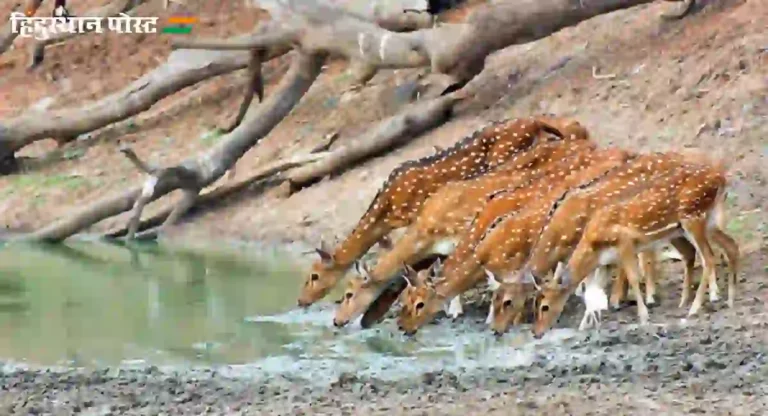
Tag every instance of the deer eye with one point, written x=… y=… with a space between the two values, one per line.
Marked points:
x=507 y=303
x=314 y=277
x=420 y=306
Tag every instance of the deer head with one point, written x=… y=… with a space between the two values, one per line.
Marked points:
x=508 y=303
x=420 y=300
x=552 y=298
x=360 y=292
x=323 y=275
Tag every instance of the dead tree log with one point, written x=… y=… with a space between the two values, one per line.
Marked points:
x=456 y=50
x=37 y=49
x=207 y=167
x=255 y=86
x=393 y=132
x=181 y=69
x=317 y=32
x=149 y=228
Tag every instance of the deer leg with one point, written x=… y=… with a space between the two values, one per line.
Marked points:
x=732 y=253
x=696 y=231
x=628 y=258
x=454 y=308
x=648 y=260
x=584 y=321
x=598 y=319
x=688 y=252
x=619 y=289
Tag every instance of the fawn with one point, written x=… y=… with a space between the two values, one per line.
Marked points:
x=402 y=196
x=684 y=202
x=444 y=217
x=518 y=218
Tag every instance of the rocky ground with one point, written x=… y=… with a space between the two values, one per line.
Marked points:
x=714 y=364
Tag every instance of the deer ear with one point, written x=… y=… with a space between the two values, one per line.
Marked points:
x=324 y=252
x=436 y=269
x=409 y=271
x=362 y=270
x=325 y=256
x=408 y=274
x=385 y=243
x=493 y=284
x=528 y=278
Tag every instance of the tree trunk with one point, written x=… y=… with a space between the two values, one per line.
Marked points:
x=456 y=51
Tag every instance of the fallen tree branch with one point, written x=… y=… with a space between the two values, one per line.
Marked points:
x=255 y=86
x=317 y=32
x=180 y=70
x=411 y=122
x=37 y=49
x=207 y=167
x=455 y=50
x=395 y=131
x=148 y=227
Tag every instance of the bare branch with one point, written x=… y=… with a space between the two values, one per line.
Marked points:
x=278 y=38
x=134 y=159
x=255 y=86
x=201 y=171
x=411 y=122
x=183 y=69
x=222 y=192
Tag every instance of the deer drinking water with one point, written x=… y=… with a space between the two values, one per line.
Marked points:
x=402 y=196
x=566 y=220
x=684 y=202
x=445 y=216
x=513 y=221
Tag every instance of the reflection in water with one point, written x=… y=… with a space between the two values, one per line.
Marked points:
x=104 y=303
x=91 y=303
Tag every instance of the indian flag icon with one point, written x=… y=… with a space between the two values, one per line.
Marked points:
x=179 y=25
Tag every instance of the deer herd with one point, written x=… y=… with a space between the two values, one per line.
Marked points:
x=537 y=211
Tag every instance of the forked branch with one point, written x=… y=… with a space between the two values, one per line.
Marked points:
x=198 y=172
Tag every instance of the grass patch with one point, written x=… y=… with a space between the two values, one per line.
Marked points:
x=39 y=182
x=211 y=136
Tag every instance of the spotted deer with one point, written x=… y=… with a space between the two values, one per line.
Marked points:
x=683 y=203
x=406 y=189
x=564 y=224
x=518 y=217
x=446 y=214
x=570 y=214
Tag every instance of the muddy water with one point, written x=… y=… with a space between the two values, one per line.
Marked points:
x=95 y=304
